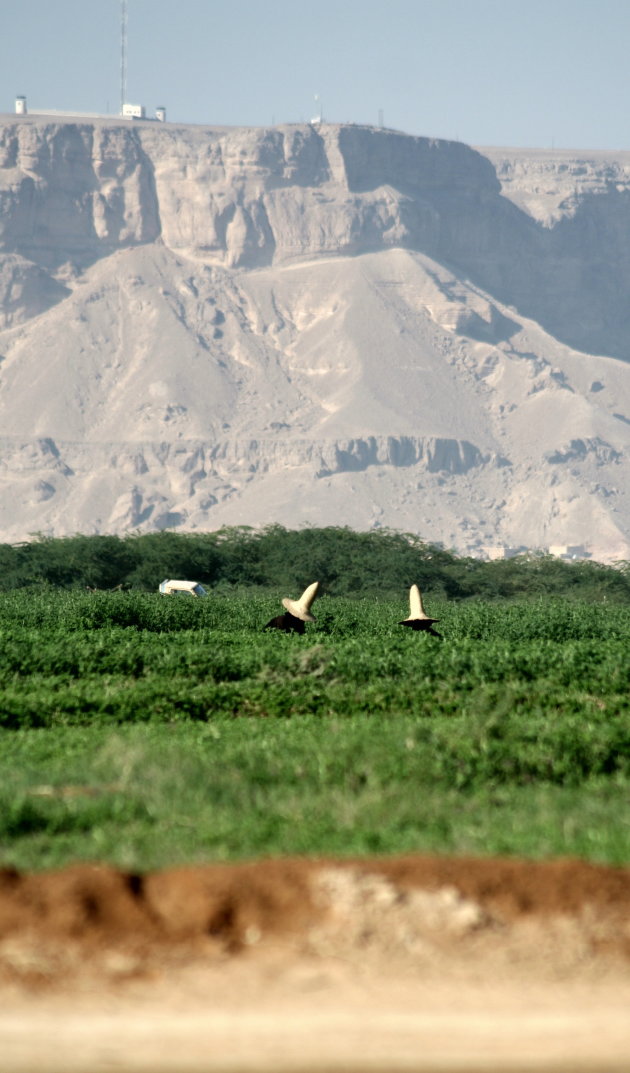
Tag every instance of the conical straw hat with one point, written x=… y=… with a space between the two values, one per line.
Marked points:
x=302 y=608
x=416 y=607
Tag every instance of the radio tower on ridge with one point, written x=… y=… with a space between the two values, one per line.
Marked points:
x=123 y=54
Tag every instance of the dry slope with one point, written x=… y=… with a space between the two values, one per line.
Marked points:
x=333 y=325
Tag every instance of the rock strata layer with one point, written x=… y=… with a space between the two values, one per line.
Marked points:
x=323 y=324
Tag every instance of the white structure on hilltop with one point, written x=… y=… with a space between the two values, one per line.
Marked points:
x=133 y=111
x=318 y=119
x=129 y=111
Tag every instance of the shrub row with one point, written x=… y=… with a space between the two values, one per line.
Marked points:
x=345 y=563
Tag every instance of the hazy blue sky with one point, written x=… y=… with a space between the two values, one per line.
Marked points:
x=489 y=72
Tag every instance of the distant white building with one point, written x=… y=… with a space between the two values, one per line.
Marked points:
x=129 y=111
x=568 y=551
x=133 y=111
x=500 y=551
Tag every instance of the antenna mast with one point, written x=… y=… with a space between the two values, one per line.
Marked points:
x=123 y=54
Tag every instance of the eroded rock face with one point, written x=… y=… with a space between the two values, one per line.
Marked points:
x=549 y=235
x=311 y=324
x=74 y=190
x=26 y=290
x=554 y=247
x=581 y=202
x=242 y=197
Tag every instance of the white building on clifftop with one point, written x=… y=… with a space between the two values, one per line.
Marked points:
x=129 y=111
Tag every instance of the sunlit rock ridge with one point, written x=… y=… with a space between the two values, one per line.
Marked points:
x=312 y=324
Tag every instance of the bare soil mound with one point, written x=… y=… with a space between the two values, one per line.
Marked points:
x=394 y=963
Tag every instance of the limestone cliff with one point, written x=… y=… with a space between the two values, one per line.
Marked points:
x=239 y=197
x=308 y=324
x=555 y=247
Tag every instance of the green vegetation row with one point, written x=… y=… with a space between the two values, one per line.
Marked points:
x=148 y=730
x=345 y=563
x=551 y=619
x=548 y=683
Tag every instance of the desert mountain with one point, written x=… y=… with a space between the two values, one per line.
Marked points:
x=326 y=325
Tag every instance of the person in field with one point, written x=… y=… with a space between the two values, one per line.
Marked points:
x=418 y=618
x=297 y=612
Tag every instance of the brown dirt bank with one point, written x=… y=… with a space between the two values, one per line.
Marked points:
x=417 y=962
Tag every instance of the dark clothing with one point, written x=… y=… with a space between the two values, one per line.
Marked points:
x=287 y=622
x=424 y=624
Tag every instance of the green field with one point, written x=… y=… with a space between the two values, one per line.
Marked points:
x=146 y=731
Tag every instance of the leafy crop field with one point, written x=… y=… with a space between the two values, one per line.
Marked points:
x=146 y=731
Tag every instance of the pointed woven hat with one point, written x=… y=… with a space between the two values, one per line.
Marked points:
x=416 y=607
x=302 y=608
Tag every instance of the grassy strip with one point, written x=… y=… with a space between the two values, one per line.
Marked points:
x=147 y=731
x=151 y=796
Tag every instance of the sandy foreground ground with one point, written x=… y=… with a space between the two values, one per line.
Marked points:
x=415 y=963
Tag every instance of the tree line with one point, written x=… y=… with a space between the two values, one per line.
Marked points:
x=345 y=562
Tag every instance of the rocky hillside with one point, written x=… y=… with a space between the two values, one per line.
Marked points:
x=312 y=325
